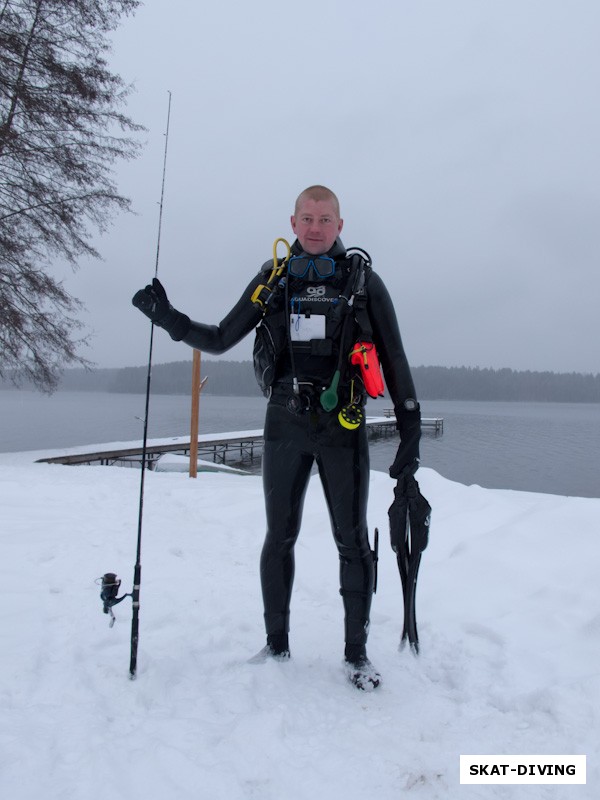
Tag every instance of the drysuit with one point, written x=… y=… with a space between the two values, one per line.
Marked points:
x=299 y=432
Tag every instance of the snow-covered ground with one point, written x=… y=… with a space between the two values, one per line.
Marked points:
x=509 y=621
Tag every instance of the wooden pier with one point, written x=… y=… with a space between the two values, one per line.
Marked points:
x=244 y=447
x=238 y=448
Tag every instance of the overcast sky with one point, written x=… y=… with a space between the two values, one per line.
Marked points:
x=461 y=137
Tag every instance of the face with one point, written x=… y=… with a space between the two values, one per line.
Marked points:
x=316 y=225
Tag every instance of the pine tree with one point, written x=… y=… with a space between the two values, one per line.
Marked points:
x=61 y=131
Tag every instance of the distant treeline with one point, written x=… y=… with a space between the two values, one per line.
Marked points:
x=433 y=383
x=175 y=377
x=474 y=383
x=224 y=378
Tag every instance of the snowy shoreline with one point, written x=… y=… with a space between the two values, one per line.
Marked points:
x=507 y=606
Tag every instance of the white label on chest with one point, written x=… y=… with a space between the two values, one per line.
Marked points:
x=303 y=328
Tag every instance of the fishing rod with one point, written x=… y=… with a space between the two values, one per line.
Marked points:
x=109 y=581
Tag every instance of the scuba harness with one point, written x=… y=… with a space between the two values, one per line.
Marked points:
x=347 y=311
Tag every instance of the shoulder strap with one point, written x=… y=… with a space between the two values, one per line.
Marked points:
x=360 y=270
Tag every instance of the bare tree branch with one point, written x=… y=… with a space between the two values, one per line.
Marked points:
x=61 y=131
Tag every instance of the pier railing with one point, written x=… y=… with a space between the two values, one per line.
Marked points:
x=435 y=424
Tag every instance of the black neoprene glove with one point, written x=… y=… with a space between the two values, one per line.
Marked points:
x=407 y=457
x=154 y=303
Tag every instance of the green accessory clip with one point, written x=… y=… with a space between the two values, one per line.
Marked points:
x=329 y=398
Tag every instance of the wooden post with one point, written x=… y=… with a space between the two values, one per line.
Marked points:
x=196 y=388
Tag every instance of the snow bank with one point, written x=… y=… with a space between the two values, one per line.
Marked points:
x=508 y=616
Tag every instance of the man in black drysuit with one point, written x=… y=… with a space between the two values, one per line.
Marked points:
x=308 y=325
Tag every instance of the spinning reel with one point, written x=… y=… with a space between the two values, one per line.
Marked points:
x=108 y=594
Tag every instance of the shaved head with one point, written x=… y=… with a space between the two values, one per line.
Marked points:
x=318 y=194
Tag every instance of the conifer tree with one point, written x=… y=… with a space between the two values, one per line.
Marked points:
x=61 y=132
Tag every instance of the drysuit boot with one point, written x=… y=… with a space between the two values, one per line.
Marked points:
x=277 y=648
x=361 y=673
x=278 y=645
